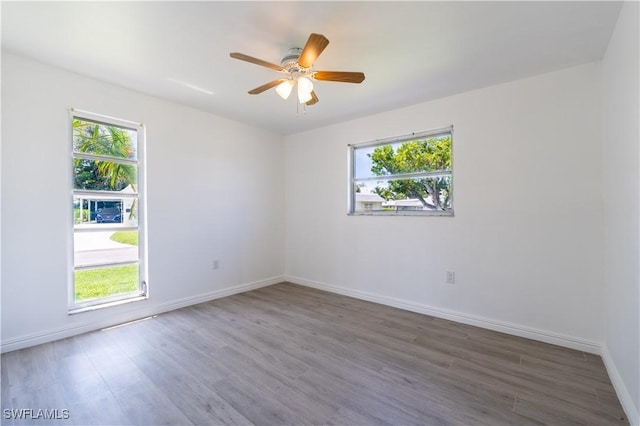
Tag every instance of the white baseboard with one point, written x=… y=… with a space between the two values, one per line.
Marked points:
x=134 y=314
x=501 y=326
x=628 y=405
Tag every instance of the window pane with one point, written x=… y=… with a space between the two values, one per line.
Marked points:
x=412 y=156
x=362 y=162
x=93 y=175
x=100 y=139
x=96 y=248
x=109 y=212
x=420 y=194
x=104 y=282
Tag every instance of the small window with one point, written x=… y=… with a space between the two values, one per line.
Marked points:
x=108 y=211
x=406 y=175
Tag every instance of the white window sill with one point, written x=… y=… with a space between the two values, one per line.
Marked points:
x=401 y=213
x=73 y=311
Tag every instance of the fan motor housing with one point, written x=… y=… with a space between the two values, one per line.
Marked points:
x=290 y=61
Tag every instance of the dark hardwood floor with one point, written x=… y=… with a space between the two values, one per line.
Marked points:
x=292 y=355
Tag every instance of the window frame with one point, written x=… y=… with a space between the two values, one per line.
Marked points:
x=352 y=180
x=142 y=292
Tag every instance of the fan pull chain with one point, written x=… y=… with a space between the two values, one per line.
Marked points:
x=304 y=109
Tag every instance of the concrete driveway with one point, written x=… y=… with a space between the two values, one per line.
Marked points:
x=95 y=248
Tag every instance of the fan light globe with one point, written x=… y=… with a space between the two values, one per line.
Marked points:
x=305 y=87
x=284 y=89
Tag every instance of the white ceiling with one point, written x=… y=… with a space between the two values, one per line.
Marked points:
x=410 y=52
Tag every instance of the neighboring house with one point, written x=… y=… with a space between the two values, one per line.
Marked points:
x=125 y=205
x=128 y=205
x=368 y=201
x=408 y=204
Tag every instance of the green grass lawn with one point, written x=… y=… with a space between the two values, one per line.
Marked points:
x=105 y=282
x=126 y=237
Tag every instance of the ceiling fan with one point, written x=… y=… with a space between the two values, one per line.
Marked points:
x=297 y=66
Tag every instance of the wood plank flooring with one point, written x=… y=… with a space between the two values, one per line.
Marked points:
x=290 y=355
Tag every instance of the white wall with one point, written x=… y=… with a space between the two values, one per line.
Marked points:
x=214 y=192
x=621 y=160
x=526 y=239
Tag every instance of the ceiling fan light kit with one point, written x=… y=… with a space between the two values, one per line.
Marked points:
x=298 y=66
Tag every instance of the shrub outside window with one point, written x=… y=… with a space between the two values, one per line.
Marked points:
x=405 y=175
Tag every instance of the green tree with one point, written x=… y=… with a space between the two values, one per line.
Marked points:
x=423 y=155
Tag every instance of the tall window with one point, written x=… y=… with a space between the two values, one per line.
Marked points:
x=405 y=175
x=108 y=211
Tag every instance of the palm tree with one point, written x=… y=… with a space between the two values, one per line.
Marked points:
x=107 y=141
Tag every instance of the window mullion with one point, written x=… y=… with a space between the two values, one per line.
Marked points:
x=103 y=228
x=108 y=158
x=404 y=176
x=101 y=194
x=103 y=265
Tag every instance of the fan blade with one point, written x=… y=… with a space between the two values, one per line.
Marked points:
x=266 y=86
x=344 y=77
x=314 y=47
x=314 y=99
x=256 y=61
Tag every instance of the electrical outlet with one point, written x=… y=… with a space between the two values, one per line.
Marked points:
x=451 y=277
x=215 y=264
